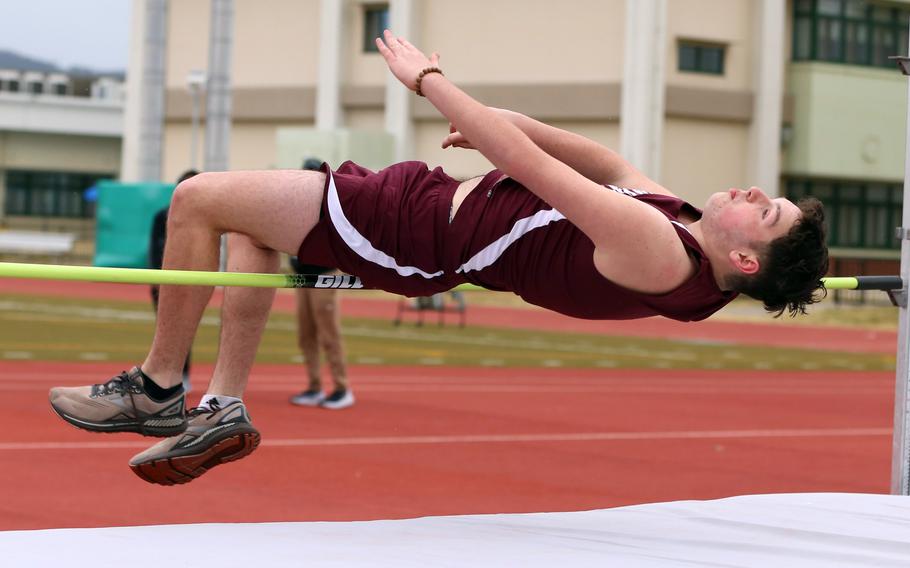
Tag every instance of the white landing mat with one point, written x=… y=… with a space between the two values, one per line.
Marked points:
x=824 y=530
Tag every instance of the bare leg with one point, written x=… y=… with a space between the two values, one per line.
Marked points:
x=243 y=316
x=307 y=337
x=274 y=209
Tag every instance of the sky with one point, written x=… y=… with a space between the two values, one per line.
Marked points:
x=84 y=33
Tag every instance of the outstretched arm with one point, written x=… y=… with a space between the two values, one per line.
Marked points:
x=635 y=245
x=589 y=158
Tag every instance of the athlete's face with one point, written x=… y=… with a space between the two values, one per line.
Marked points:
x=745 y=218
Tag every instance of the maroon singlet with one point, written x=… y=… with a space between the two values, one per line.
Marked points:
x=392 y=229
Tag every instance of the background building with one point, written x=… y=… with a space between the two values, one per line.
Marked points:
x=59 y=134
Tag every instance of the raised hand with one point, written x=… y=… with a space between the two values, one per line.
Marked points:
x=456 y=139
x=404 y=60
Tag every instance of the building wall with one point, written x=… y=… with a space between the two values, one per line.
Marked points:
x=717 y=21
x=563 y=65
x=47 y=152
x=275 y=46
x=187 y=40
x=58 y=152
x=360 y=69
x=704 y=157
x=526 y=41
x=849 y=122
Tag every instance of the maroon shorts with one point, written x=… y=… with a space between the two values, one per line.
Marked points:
x=391 y=228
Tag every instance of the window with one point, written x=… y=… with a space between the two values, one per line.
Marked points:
x=36 y=88
x=375 y=20
x=49 y=194
x=856 y=32
x=12 y=86
x=701 y=57
x=858 y=214
x=59 y=89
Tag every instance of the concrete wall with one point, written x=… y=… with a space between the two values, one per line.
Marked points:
x=725 y=22
x=560 y=64
x=54 y=152
x=849 y=122
x=275 y=46
x=703 y=157
x=527 y=41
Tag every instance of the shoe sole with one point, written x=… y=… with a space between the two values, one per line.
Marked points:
x=306 y=403
x=152 y=431
x=336 y=407
x=183 y=469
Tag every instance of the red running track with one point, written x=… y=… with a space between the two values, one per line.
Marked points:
x=441 y=441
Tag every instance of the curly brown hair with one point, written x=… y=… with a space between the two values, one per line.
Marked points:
x=792 y=266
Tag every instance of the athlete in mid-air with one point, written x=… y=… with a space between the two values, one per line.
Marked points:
x=563 y=222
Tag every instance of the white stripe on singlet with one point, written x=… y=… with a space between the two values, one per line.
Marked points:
x=359 y=244
x=491 y=253
x=681 y=226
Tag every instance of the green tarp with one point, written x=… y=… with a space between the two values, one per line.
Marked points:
x=124 y=221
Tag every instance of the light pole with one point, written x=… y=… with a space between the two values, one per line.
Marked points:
x=195 y=81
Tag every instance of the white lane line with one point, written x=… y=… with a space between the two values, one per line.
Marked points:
x=719 y=390
x=89 y=356
x=16 y=355
x=491 y=438
x=47 y=380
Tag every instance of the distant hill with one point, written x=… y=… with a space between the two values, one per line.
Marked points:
x=13 y=60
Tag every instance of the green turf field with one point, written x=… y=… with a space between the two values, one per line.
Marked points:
x=57 y=329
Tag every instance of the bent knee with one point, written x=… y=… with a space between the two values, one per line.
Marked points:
x=190 y=201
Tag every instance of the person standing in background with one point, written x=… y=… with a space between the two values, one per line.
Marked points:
x=319 y=325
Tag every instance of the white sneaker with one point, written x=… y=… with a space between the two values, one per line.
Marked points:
x=310 y=397
x=340 y=398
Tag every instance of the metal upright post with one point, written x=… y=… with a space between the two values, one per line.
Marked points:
x=144 y=112
x=195 y=81
x=900 y=455
x=218 y=96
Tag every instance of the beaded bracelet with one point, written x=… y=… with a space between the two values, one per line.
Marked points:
x=420 y=77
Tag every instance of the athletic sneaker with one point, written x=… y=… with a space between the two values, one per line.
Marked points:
x=340 y=398
x=120 y=405
x=309 y=397
x=214 y=436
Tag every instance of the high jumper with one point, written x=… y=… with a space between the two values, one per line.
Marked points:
x=562 y=221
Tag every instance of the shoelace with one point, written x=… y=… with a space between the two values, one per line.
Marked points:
x=212 y=407
x=122 y=383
